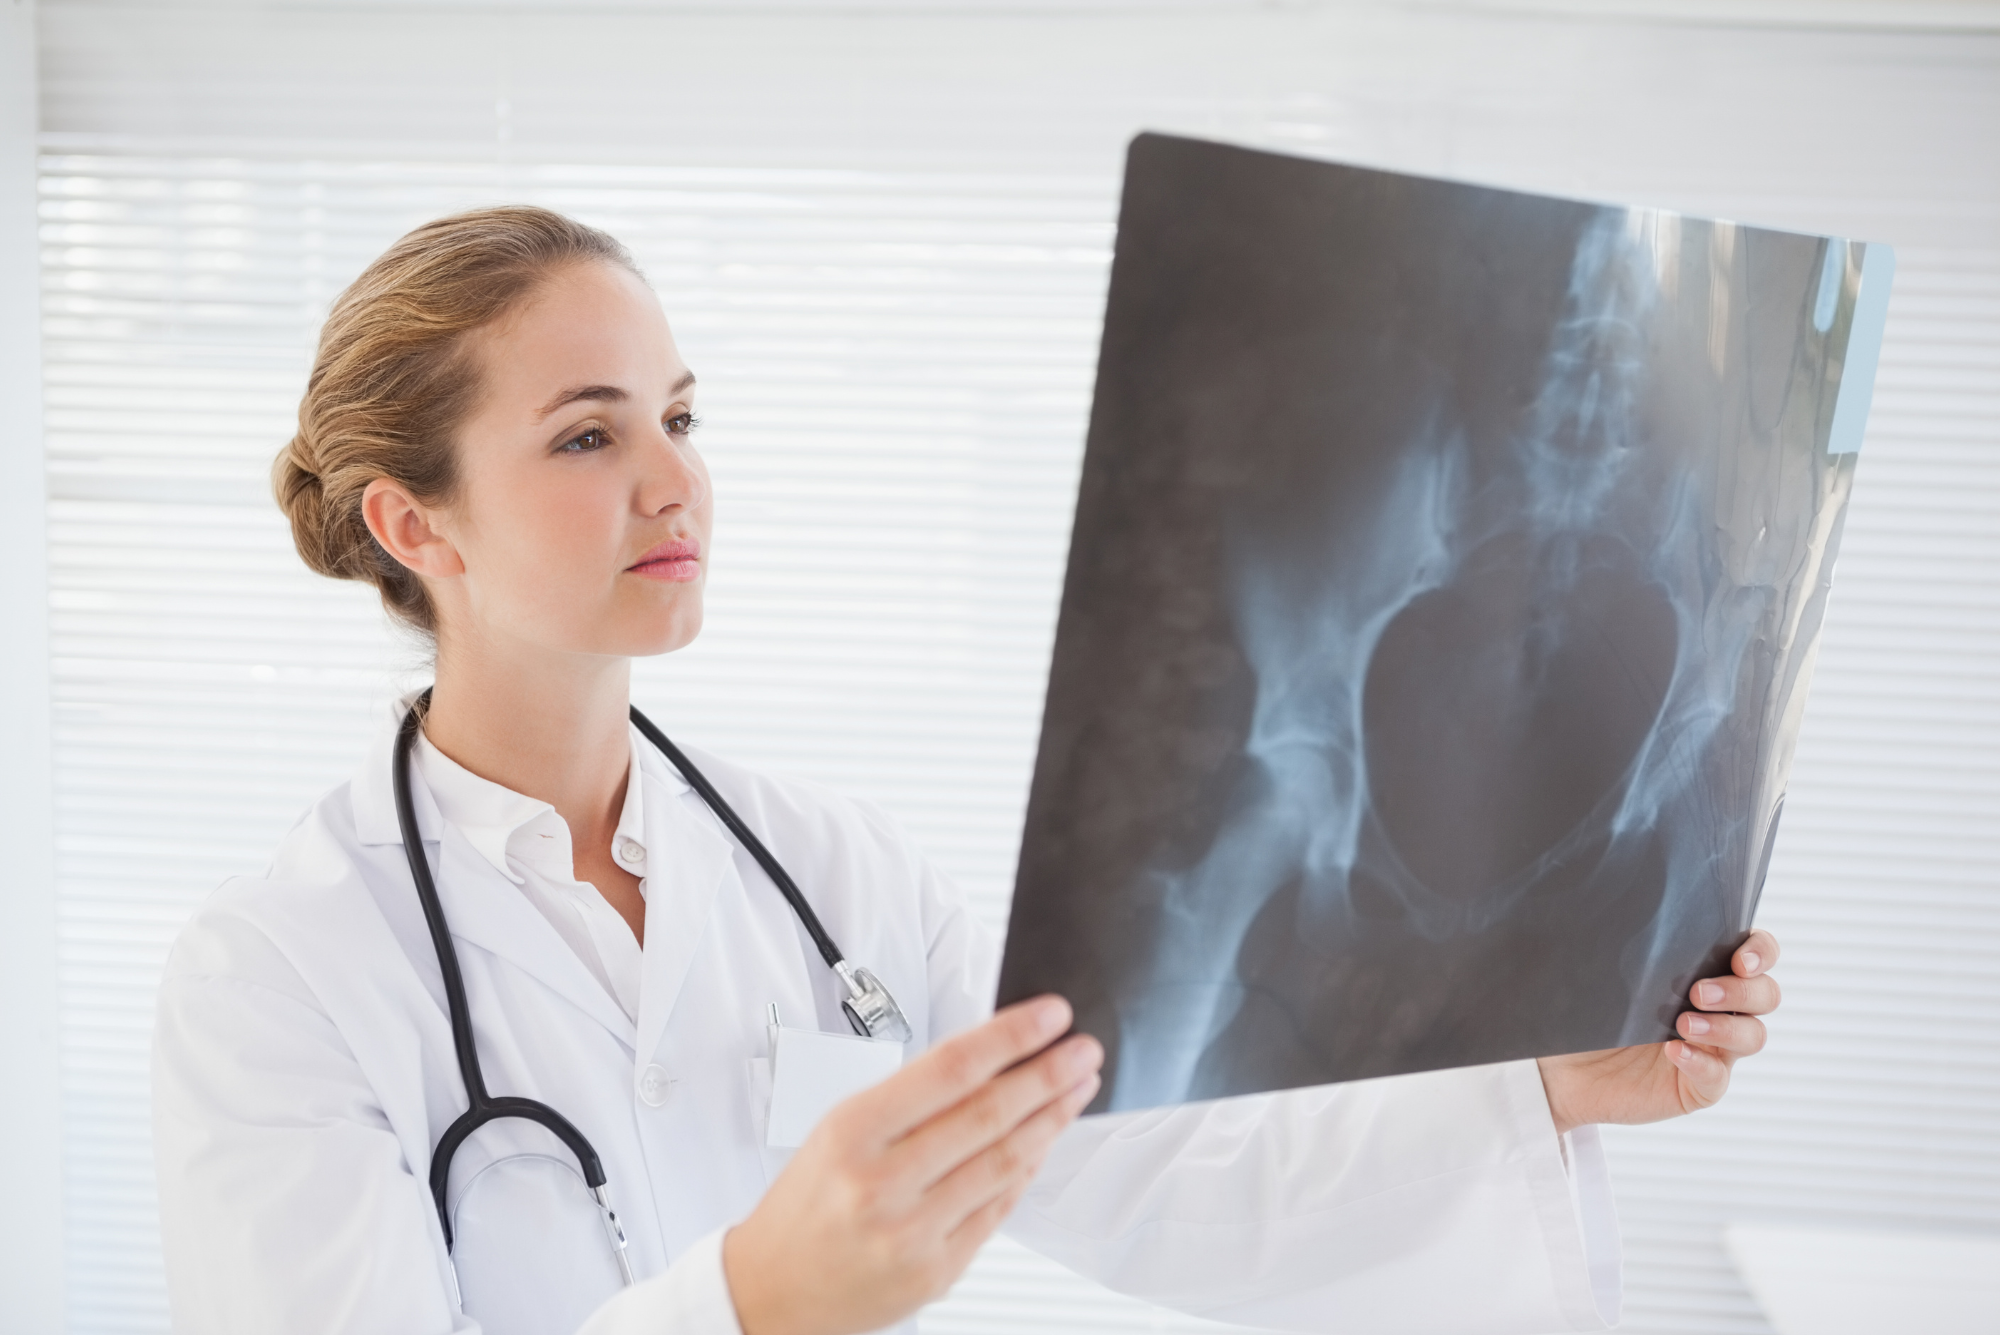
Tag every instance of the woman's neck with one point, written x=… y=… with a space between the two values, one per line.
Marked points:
x=551 y=727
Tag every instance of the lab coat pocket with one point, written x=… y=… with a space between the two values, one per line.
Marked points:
x=812 y=1072
x=529 y=1246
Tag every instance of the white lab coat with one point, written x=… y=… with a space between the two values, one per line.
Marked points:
x=303 y=1070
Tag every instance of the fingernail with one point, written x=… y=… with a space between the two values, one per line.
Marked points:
x=1086 y=1054
x=1051 y=1016
x=1080 y=1097
x=1708 y=994
x=1752 y=961
x=1695 y=1024
x=1684 y=1053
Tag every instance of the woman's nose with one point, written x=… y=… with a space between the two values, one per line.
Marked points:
x=674 y=476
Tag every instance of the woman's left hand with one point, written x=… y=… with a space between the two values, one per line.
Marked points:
x=1660 y=1080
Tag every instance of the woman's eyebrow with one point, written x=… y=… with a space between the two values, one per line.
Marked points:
x=601 y=394
x=580 y=393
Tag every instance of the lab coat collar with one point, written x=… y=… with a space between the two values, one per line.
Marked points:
x=484 y=908
x=487 y=910
x=373 y=793
x=688 y=863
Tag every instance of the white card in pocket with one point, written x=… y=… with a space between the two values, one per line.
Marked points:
x=811 y=1071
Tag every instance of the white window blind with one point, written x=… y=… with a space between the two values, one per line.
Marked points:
x=893 y=307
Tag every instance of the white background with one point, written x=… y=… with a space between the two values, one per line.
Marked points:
x=882 y=233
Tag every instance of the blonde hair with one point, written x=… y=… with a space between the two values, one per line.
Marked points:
x=394 y=379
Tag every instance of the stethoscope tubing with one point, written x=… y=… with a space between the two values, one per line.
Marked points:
x=745 y=836
x=484 y=1107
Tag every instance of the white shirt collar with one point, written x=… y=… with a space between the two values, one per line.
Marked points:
x=372 y=787
x=506 y=826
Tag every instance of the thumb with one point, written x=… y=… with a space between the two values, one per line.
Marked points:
x=1704 y=1073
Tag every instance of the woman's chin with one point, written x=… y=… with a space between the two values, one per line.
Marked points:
x=649 y=637
x=616 y=631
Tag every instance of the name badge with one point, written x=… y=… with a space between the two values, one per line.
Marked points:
x=811 y=1071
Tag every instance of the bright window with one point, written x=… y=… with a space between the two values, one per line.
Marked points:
x=891 y=291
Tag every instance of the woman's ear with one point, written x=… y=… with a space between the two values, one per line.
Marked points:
x=409 y=530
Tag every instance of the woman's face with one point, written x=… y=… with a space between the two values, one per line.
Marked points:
x=581 y=523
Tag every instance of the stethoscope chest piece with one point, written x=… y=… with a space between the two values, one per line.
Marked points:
x=870 y=1008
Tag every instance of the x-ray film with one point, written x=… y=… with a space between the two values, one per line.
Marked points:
x=1446 y=575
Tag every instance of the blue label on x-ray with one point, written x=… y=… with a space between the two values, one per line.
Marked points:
x=1864 y=350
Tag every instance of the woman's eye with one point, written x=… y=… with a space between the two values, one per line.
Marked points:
x=593 y=439
x=682 y=424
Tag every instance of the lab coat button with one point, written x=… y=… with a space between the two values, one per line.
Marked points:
x=653 y=1084
x=630 y=850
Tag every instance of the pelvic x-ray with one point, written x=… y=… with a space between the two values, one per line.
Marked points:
x=1446 y=574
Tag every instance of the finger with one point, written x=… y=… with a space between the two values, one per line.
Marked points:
x=1738 y=1035
x=964 y=1243
x=1745 y=996
x=1006 y=1164
x=978 y=1226
x=1756 y=955
x=992 y=1113
x=1704 y=1074
x=951 y=1070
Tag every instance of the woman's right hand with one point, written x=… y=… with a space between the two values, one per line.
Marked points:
x=890 y=1196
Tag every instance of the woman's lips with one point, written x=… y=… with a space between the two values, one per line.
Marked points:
x=676 y=561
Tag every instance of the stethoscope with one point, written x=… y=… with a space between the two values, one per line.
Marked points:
x=869 y=1007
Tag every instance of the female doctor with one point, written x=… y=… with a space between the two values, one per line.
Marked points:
x=497 y=434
